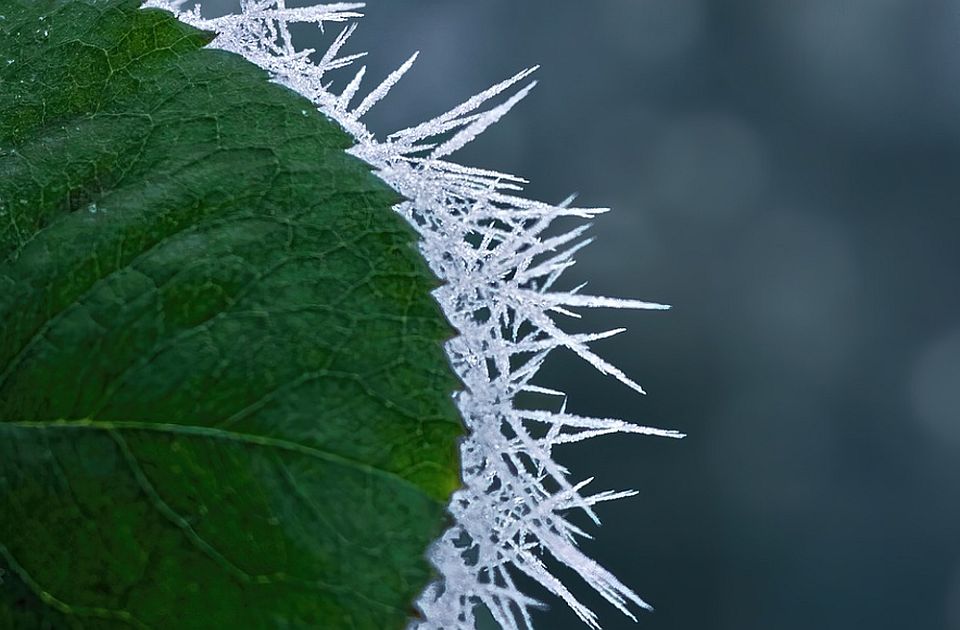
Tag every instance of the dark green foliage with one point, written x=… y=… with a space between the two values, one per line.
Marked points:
x=223 y=397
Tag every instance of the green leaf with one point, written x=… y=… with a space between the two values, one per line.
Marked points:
x=223 y=397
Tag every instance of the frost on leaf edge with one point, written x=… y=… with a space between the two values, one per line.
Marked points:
x=499 y=262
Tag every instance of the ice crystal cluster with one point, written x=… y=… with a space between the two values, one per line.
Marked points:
x=500 y=263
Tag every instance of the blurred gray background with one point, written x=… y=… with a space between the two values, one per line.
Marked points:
x=786 y=173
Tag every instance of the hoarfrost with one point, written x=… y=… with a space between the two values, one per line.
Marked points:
x=491 y=247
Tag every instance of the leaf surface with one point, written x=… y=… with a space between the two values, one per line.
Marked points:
x=224 y=401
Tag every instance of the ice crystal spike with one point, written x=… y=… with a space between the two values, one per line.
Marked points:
x=488 y=244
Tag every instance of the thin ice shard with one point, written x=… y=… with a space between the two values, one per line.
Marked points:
x=487 y=243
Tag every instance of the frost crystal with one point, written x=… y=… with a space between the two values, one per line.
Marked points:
x=500 y=264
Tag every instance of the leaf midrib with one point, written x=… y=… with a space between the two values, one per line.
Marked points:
x=215 y=433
